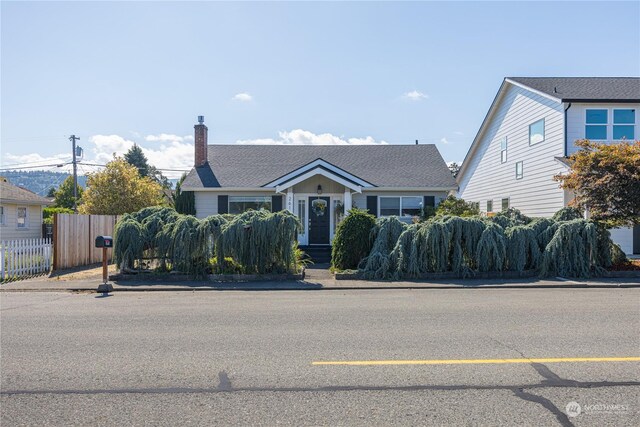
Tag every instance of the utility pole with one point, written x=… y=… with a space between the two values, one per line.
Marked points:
x=73 y=139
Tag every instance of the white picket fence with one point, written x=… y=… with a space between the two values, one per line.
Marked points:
x=25 y=257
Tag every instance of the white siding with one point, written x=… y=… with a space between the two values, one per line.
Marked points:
x=486 y=178
x=576 y=119
x=206 y=203
x=9 y=230
x=624 y=238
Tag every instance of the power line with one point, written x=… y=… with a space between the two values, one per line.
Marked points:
x=33 y=167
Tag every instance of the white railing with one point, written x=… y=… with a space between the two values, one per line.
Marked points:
x=23 y=258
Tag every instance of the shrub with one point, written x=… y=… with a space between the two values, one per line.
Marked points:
x=352 y=240
x=457 y=207
x=49 y=211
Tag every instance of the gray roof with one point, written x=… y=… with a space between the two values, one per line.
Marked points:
x=253 y=166
x=585 y=89
x=13 y=193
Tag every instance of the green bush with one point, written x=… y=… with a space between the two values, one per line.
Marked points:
x=49 y=211
x=457 y=207
x=352 y=239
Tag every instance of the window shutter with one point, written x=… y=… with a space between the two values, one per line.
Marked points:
x=429 y=201
x=223 y=204
x=276 y=203
x=372 y=205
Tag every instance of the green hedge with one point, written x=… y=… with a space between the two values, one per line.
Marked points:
x=352 y=240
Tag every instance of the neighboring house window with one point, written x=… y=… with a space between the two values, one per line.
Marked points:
x=489 y=205
x=302 y=214
x=595 y=127
x=503 y=150
x=624 y=124
x=536 y=132
x=22 y=217
x=505 y=204
x=240 y=204
x=519 y=170
x=1 y=215
x=401 y=206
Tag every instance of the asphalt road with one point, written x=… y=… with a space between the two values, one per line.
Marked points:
x=247 y=358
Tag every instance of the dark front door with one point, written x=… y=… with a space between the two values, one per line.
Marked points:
x=319 y=220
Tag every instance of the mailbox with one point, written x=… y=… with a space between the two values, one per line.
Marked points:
x=104 y=242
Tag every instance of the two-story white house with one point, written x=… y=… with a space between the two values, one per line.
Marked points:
x=530 y=130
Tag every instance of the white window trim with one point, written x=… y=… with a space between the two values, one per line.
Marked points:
x=3 y=216
x=606 y=125
x=508 y=203
x=544 y=131
x=635 y=122
x=506 y=149
x=521 y=163
x=26 y=218
x=487 y=206
x=400 y=211
x=266 y=198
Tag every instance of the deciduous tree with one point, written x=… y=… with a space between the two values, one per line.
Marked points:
x=606 y=180
x=119 y=189
x=64 y=194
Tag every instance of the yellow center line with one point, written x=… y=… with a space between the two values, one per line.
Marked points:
x=477 y=361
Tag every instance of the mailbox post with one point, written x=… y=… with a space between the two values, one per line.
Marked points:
x=104 y=242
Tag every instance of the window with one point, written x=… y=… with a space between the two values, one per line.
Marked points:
x=624 y=124
x=489 y=205
x=411 y=206
x=401 y=206
x=1 y=215
x=536 y=132
x=505 y=204
x=302 y=214
x=389 y=206
x=519 y=170
x=22 y=217
x=503 y=150
x=240 y=204
x=596 y=124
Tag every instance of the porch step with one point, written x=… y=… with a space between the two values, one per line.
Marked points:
x=318 y=254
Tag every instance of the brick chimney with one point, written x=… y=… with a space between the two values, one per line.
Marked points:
x=200 y=138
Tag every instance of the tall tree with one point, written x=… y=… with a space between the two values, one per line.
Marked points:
x=119 y=189
x=184 y=201
x=64 y=194
x=606 y=180
x=135 y=157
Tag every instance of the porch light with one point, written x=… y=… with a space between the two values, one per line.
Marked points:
x=319 y=189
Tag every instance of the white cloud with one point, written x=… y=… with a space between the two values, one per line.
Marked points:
x=242 y=97
x=167 y=137
x=35 y=159
x=105 y=146
x=305 y=137
x=415 y=95
x=444 y=141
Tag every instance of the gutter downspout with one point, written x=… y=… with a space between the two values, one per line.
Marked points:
x=566 y=142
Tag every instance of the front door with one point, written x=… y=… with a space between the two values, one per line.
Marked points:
x=319 y=220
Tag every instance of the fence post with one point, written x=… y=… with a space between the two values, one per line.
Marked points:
x=53 y=242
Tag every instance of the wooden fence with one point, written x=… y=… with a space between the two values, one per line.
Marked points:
x=24 y=258
x=74 y=238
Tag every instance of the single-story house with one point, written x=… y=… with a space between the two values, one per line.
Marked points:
x=529 y=132
x=319 y=184
x=20 y=212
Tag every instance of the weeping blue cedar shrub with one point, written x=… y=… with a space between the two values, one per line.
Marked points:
x=465 y=235
x=510 y=218
x=385 y=236
x=523 y=252
x=185 y=246
x=209 y=231
x=491 y=250
x=260 y=241
x=573 y=251
x=567 y=214
x=128 y=242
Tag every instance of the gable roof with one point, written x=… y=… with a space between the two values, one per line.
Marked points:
x=584 y=89
x=13 y=193
x=562 y=89
x=255 y=166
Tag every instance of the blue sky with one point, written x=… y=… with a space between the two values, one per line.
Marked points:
x=115 y=73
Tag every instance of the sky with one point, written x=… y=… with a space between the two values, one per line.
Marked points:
x=119 y=73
